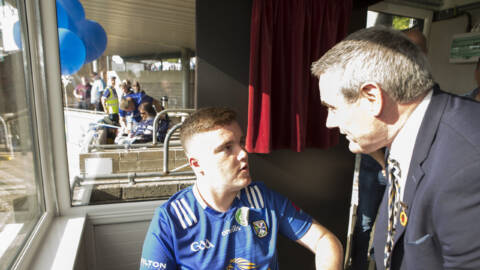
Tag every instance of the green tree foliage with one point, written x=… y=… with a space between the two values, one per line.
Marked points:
x=401 y=23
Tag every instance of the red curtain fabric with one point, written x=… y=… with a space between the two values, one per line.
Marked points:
x=284 y=109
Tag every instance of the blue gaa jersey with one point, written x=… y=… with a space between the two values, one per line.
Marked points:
x=187 y=234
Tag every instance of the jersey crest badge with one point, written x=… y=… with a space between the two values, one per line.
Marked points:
x=260 y=227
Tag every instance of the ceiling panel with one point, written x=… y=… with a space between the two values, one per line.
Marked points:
x=144 y=27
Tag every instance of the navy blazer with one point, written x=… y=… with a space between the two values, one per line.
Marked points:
x=442 y=192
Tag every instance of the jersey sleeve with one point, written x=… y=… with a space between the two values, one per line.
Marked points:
x=158 y=249
x=293 y=221
x=122 y=113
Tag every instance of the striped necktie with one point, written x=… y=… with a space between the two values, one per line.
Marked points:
x=393 y=208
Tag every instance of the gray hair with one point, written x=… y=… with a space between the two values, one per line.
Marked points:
x=380 y=55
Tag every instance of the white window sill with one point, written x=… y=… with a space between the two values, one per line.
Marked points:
x=60 y=246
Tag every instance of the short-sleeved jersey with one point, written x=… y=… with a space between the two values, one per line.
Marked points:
x=144 y=131
x=187 y=234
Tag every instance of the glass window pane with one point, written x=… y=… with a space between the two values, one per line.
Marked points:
x=21 y=204
x=115 y=154
x=394 y=21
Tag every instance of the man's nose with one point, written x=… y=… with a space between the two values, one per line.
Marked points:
x=331 y=123
x=242 y=155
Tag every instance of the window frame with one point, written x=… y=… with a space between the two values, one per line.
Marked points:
x=108 y=213
x=33 y=60
x=46 y=105
x=407 y=11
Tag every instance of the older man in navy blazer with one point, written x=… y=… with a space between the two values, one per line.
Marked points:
x=379 y=91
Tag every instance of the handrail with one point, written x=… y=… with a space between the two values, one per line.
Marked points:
x=8 y=139
x=154 y=143
x=129 y=175
x=165 y=146
x=127 y=146
x=184 y=112
x=12 y=116
x=132 y=175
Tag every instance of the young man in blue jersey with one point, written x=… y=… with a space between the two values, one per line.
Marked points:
x=226 y=221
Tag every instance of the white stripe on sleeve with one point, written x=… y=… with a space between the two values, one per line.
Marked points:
x=189 y=210
x=184 y=214
x=260 y=197
x=179 y=215
x=255 y=201
x=249 y=198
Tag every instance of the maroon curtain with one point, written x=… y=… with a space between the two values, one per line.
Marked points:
x=284 y=109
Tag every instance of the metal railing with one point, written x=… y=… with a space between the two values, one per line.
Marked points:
x=173 y=112
x=8 y=138
x=133 y=176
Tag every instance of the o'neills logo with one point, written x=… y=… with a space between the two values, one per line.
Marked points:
x=241 y=216
x=153 y=264
x=233 y=229
x=201 y=245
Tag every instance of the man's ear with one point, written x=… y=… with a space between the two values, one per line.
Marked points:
x=372 y=96
x=195 y=165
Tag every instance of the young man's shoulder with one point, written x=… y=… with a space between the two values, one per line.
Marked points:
x=178 y=201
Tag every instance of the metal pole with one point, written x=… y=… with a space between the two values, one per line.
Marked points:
x=186 y=77
x=185 y=112
x=165 y=147
x=8 y=139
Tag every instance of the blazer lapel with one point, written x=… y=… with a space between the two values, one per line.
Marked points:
x=423 y=143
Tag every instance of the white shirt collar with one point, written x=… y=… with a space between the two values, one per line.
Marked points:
x=403 y=144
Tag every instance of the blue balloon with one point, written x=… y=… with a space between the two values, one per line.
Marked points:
x=17 y=35
x=72 y=51
x=74 y=9
x=63 y=19
x=94 y=37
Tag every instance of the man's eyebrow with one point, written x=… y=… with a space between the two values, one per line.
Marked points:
x=221 y=146
x=326 y=104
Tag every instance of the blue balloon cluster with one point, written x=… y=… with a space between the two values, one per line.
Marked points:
x=80 y=40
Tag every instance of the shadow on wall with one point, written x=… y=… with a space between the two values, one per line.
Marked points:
x=320 y=183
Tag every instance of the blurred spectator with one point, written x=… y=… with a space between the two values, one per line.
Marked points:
x=97 y=90
x=110 y=102
x=136 y=87
x=132 y=113
x=82 y=94
x=143 y=132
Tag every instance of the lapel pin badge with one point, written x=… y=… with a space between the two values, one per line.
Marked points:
x=403 y=218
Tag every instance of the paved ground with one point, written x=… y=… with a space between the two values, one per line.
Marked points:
x=17 y=189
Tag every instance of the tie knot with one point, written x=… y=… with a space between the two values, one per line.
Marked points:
x=394 y=168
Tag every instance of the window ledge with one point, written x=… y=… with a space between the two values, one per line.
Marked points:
x=60 y=247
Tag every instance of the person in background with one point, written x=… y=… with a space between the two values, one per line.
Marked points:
x=418 y=38
x=127 y=122
x=226 y=221
x=144 y=132
x=371 y=186
x=136 y=87
x=380 y=92
x=110 y=102
x=97 y=90
x=475 y=93
x=82 y=94
x=132 y=113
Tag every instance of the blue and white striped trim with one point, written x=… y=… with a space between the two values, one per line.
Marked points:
x=254 y=197
x=184 y=213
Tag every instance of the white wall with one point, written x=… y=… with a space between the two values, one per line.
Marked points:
x=119 y=246
x=454 y=78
